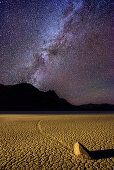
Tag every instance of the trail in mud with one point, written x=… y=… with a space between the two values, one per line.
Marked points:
x=55 y=139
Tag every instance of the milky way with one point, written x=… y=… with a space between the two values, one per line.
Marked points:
x=60 y=45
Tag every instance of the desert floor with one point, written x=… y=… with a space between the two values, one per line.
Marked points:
x=46 y=141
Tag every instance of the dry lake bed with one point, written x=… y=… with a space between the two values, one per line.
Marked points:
x=47 y=141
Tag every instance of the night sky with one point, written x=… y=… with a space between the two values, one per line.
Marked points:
x=60 y=45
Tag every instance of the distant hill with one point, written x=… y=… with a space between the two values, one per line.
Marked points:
x=25 y=97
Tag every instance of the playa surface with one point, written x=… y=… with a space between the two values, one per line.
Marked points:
x=47 y=141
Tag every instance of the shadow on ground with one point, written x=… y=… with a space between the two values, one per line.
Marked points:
x=100 y=154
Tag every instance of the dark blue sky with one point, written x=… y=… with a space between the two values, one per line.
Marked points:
x=63 y=45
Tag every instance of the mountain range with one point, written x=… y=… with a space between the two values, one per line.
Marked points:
x=25 y=97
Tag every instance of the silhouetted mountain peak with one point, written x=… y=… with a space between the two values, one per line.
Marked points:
x=26 y=97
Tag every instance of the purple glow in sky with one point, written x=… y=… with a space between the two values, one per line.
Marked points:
x=61 y=45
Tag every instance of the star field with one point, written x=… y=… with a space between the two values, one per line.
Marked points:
x=60 y=45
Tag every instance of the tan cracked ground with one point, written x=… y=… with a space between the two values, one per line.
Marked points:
x=46 y=141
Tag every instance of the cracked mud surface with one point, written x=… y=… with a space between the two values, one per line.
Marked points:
x=46 y=142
